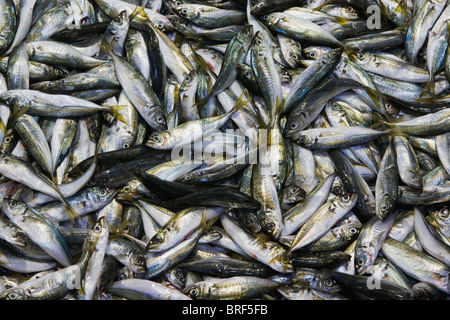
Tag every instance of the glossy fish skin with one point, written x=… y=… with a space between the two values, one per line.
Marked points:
x=428 y=239
x=39 y=230
x=141 y=289
x=8 y=24
x=141 y=94
x=419 y=265
x=236 y=288
x=53 y=285
x=227 y=267
x=322 y=220
x=370 y=241
x=387 y=183
x=320 y=259
x=386 y=289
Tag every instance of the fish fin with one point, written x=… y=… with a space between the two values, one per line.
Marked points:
x=137 y=11
x=429 y=88
x=2 y=128
x=284 y=258
x=120 y=230
x=106 y=46
x=342 y=21
x=397 y=132
x=73 y=215
x=115 y=113
x=16 y=114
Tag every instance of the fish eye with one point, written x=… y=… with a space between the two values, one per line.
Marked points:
x=360 y=55
x=126 y=145
x=360 y=262
x=329 y=283
x=97 y=228
x=187 y=178
x=126 y=189
x=13 y=204
x=118 y=19
x=346 y=197
x=349 y=9
x=178 y=3
x=294 y=190
x=443 y=213
x=270 y=226
x=157 y=239
x=13 y=296
x=179 y=274
x=156 y=138
x=139 y=262
x=251 y=221
x=258 y=41
x=13 y=100
x=160 y=26
x=353 y=230
x=384 y=207
x=160 y=120
x=293 y=125
x=59 y=72
x=193 y=292
x=247 y=74
x=302 y=139
x=335 y=106
x=8 y=139
x=312 y=54
x=184 y=11
x=294 y=56
x=103 y=192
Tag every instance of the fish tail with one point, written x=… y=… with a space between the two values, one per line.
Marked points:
x=73 y=215
x=115 y=112
x=429 y=88
x=396 y=132
x=136 y=12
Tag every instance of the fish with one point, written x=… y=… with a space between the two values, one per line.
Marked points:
x=224 y=150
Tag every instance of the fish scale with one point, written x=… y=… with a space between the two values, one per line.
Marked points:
x=224 y=150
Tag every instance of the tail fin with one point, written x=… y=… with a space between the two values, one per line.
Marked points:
x=73 y=215
x=136 y=12
x=16 y=114
x=115 y=112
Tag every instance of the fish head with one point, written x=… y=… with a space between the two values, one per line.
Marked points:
x=351 y=231
x=385 y=206
x=327 y=283
x=138 y=264
x=120 y=22
x=194 y=291
x=13 y=207
x=157 y=241
x=271 y=226
x=163 y=24
x=16 y=293
x=250 y=222
x=347 y=200
x=245 y=36
x=159 y=140
x=363 y=261
x=293 y=194
x=357 y=56
x=185 y=11
x=15 y=98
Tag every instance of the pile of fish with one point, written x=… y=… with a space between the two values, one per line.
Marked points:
x=224 y=149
